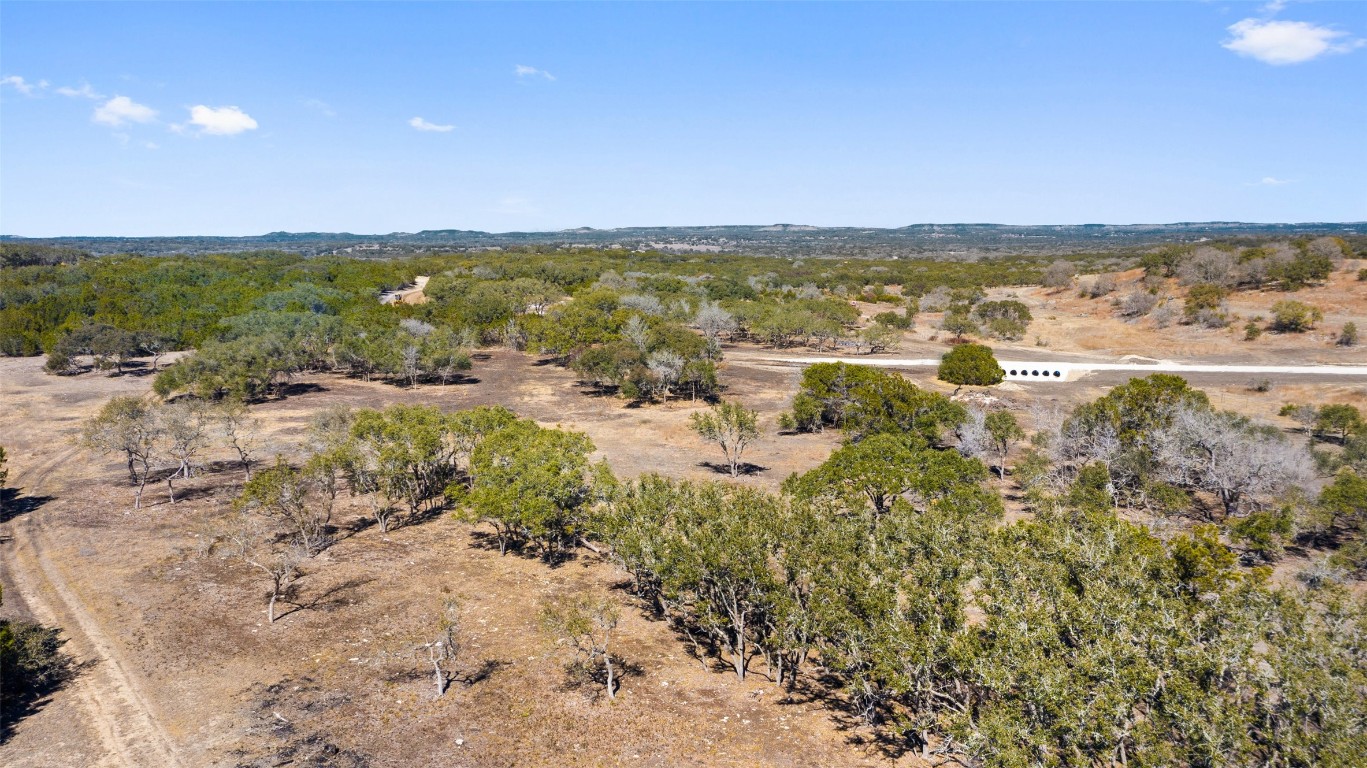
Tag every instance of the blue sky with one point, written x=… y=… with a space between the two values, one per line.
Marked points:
x=243 y=118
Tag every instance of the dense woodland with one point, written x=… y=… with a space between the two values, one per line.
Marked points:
x=1130 y=619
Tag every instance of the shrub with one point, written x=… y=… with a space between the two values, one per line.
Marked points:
x=971 y=364
x=59 y=363
x=1136 y=303
x=1252 y=331
x=1294 y=316
x=893 y=320
x=1059 y=274
x=1348 y=337
x=1102 y=285
x=1203 y=299
x=32 y=664
x=1207 y=266
x=1164 y=315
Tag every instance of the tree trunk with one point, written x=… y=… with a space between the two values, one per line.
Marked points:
x=270 y=609
x=170 y=489
x=137 y=498
x=738 y=658
x=441 y=678
x=607 y=663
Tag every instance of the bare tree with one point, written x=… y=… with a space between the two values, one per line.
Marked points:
x=444 y=648
x=184 y=430
x=1304 y=415
x=1223 y=454
x=586 y=623
x=714 y=321
x=240 y=431
x=1207 y=265
x=667 y=367
x=256 y=544
x=129 y=426
x=1136 y=303
x=409 y=359
x=634 y=330
x=972 y=433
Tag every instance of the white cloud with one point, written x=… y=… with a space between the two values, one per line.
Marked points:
x=423 y=125
x=221 y=121
x=1274 y=7
x=21 y=85
x=522 y=70
x=84 y=92
x=1287 y=42
x=151 y=145
x=1273 y=181
x=122 y=110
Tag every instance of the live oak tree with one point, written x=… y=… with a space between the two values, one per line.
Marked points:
x=970 y=364
x=400 y=454
x=861 y=401
x=731 y=426
x=533 y=485
x=1340 y=420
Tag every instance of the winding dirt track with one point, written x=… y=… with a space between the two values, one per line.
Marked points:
x=115 y=707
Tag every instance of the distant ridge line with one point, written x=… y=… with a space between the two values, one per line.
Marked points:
x=957 y=239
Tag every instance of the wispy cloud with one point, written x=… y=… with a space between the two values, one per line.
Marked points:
x=522 y=70
x=220 y=121
x=23 y=86
x=84 y=92
x=1287 y=42
x=1269 y=181
x=320 y=106
x=121 y=110
x=422 y=125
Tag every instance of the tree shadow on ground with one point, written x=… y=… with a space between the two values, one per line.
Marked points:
x=482 y=671
x=300 y=388
x=13 y=503
x=745 y=468
x=553 y=558
x=579 y=675
x=49 y=670
x=329 y=599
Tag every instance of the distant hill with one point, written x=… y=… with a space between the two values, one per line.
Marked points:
x=921 y=240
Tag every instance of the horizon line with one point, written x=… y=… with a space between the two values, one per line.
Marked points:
x=582 y=229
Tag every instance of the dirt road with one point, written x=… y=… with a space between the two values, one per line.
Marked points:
x=113 y=725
